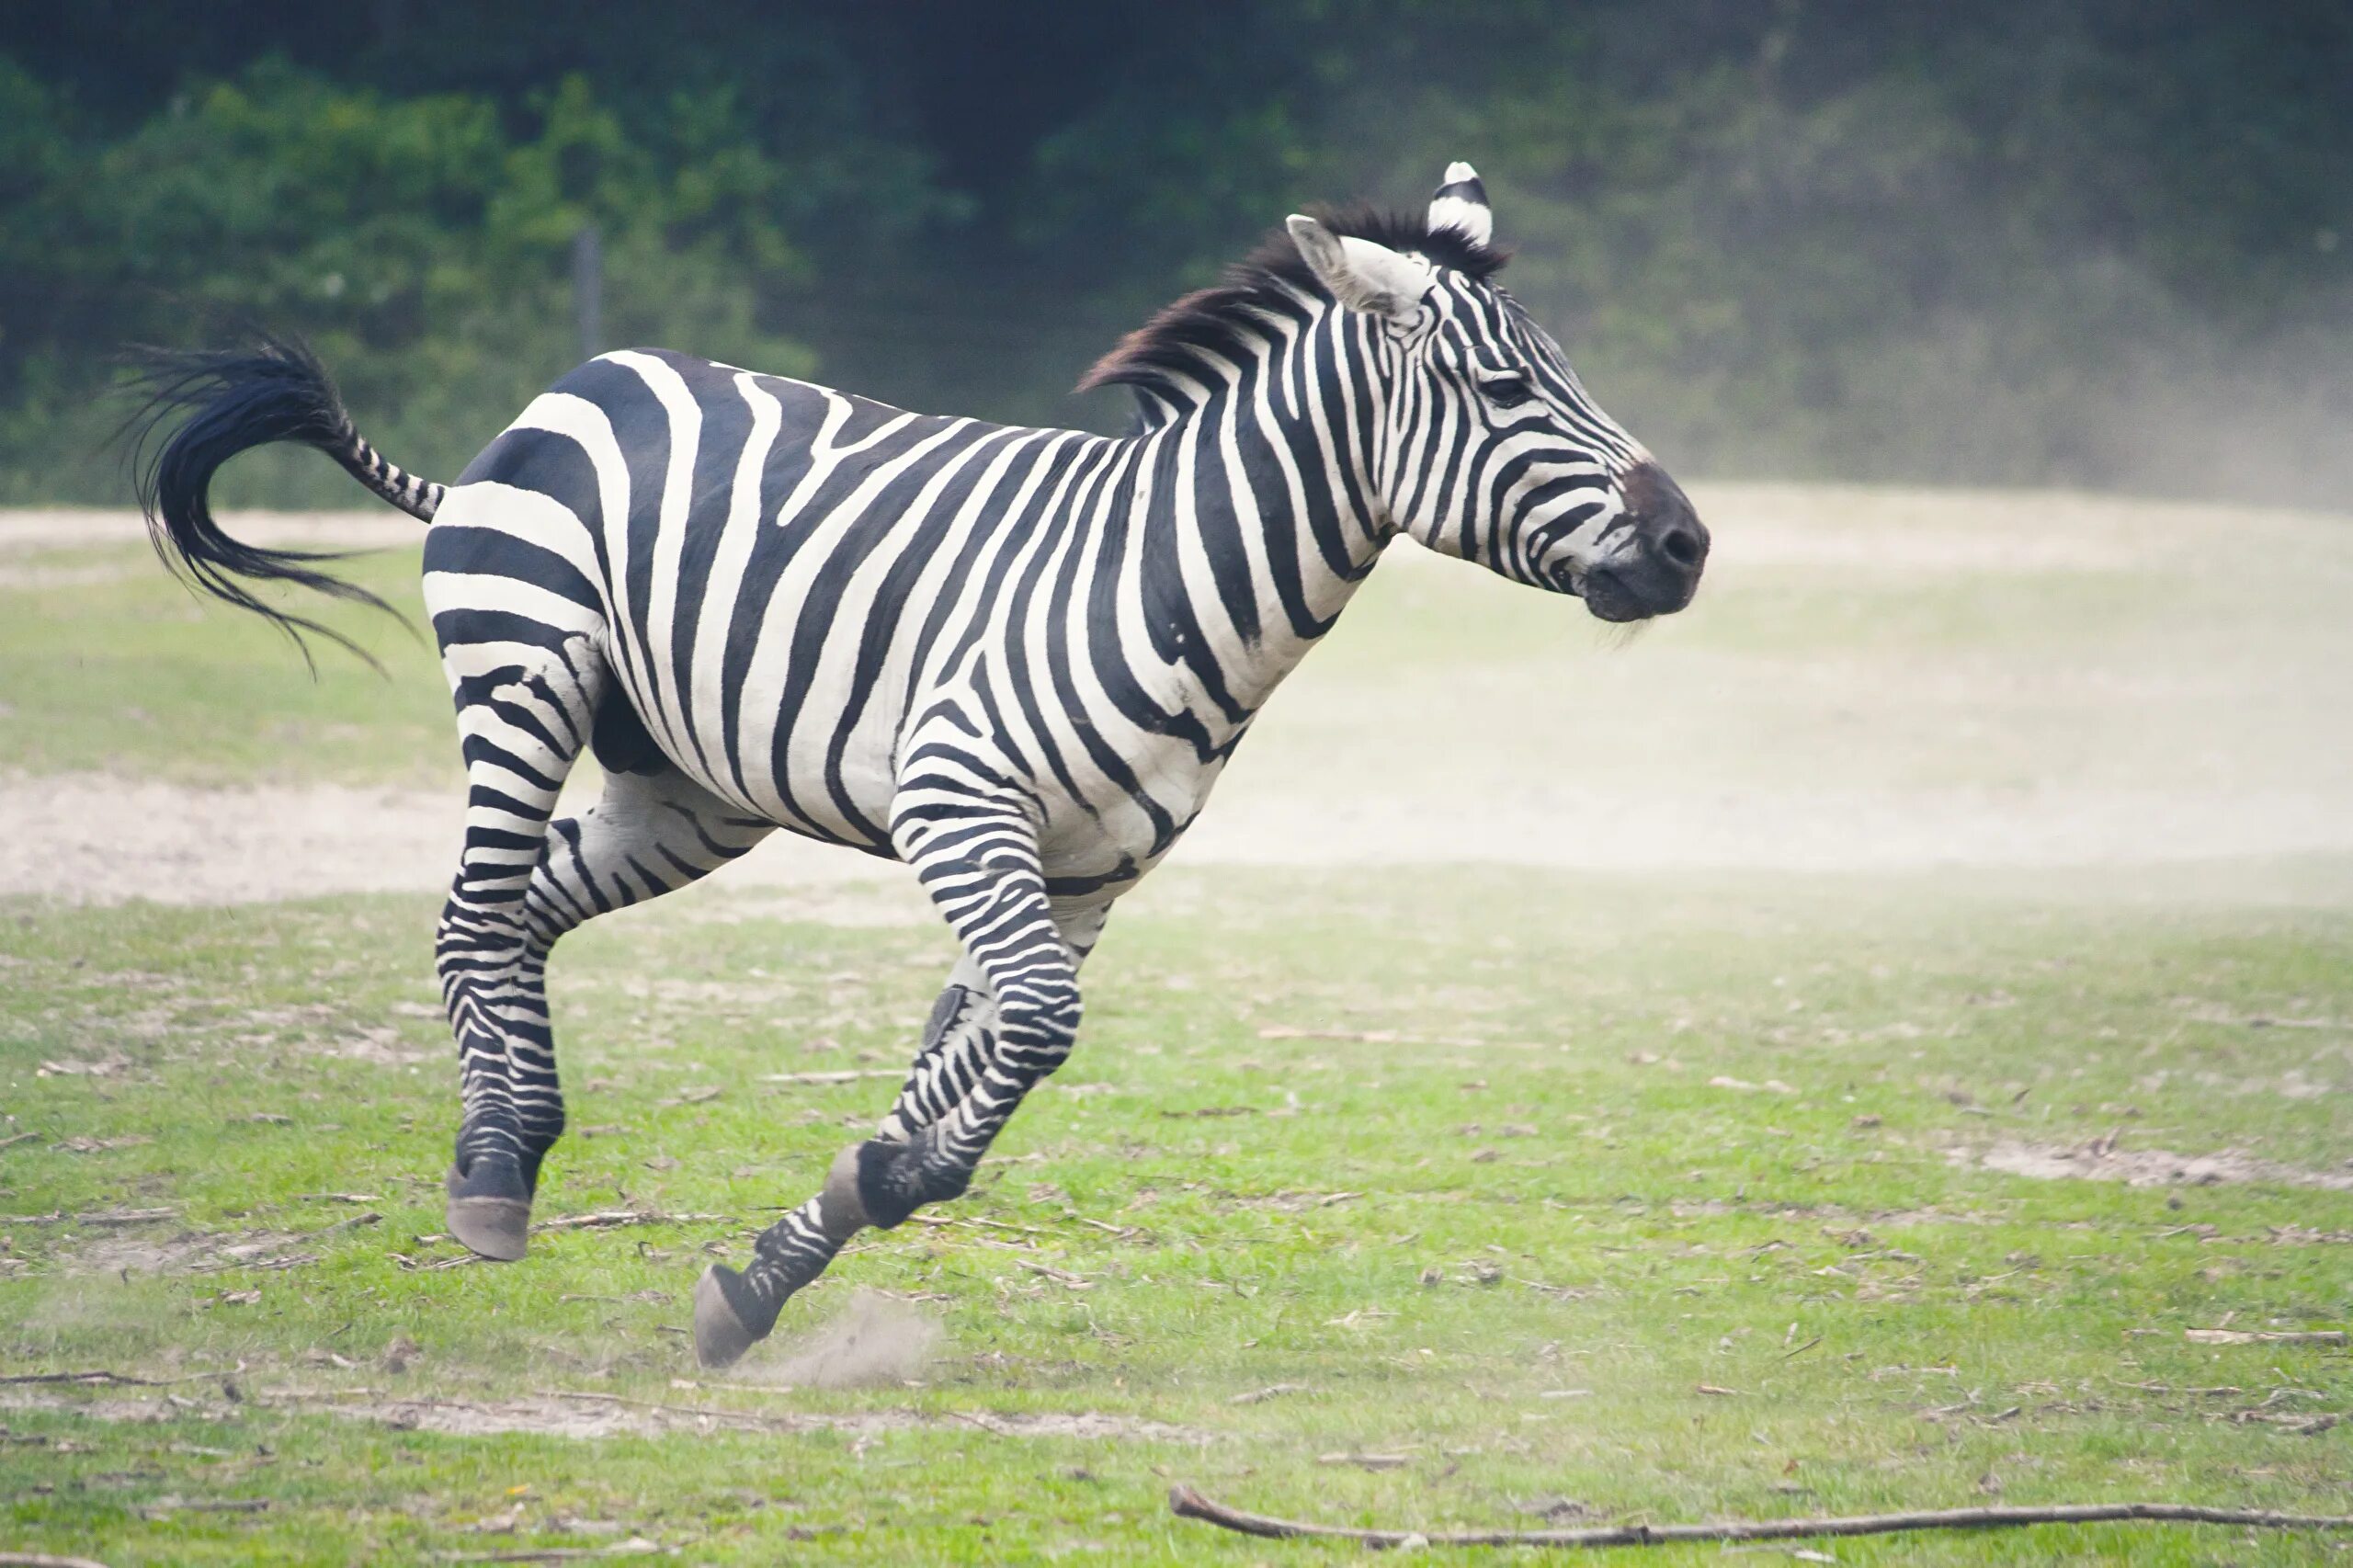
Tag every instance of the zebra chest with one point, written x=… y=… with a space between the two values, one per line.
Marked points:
x=1123 y=817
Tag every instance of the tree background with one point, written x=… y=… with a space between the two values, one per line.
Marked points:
x=2083 y=242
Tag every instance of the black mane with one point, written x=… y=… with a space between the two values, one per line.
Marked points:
x=1214 y=320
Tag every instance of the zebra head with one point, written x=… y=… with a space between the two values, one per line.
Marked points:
x=1493 y=452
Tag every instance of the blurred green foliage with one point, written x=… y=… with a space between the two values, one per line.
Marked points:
x=2088 y=241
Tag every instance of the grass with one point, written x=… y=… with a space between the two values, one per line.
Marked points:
x=107 y=663
x=1562 y=1228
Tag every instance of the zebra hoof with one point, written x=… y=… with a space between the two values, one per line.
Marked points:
x=490 y=1210
x=729 y=1318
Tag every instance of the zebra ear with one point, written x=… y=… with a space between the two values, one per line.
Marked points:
x=1361 y=274
x=1461 y=203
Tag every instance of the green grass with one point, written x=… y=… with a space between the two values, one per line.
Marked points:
x=1546 y=1194
x=107 y=663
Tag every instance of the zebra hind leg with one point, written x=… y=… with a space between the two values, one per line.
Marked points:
x=523 y=726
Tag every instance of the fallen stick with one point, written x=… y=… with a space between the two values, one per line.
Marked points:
x=636 y=1548
x=102 y=1217
x=103 y=1377
x=1185 y=1502
x=603 y=1219
x=701 y=1412
x=2261 y=1336
x=841 y=1075
x=43 y=1560
x=612 y=1219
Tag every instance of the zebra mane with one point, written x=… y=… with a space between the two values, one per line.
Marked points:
x=1218 y=321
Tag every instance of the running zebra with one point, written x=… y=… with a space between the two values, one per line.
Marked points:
x=1016 y=660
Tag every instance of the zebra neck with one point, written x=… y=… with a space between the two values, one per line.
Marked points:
x=1272 y=518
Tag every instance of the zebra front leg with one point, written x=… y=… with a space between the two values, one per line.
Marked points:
x=986 y=1051
x=957 y=1040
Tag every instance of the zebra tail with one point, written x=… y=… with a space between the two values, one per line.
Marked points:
x=273 y=388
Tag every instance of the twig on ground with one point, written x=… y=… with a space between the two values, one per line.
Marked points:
x=19 y=1138
x=102 y=1377
x=1366 y=1036
x=844 y=1076
x=636 y=1547
x=357 y=1221
x=1185 y=1502
x=991 y=1427
x=43 y=1560
x=975 y=1219
x=613 y=1219
x=2257 y=1336
x=99 y=1216
x=700 y=1411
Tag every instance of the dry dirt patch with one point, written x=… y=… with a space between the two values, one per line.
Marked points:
x=2052 y=724
x=2101 y=1161
x=873 y=1341
x=591 y=1415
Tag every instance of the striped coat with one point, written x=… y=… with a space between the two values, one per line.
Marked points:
x=1016 y=659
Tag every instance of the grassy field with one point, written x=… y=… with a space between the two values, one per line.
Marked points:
x=1417 y=1194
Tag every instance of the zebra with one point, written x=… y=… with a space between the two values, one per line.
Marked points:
x=1015 y=659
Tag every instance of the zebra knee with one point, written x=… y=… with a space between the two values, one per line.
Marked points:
x=1038 y=1023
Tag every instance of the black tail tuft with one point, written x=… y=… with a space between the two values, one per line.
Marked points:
x=271 y=389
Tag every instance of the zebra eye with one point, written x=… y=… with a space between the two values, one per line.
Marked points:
x=1505 y=391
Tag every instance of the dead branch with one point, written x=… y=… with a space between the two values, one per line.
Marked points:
x=844 y=1076
x=635 y=1548
x=101 y=1217
x=2259 y=1336
x=748 y=1419
x=102 y=1377
x=43 y=1560
x=1185 y=1502
x=612 y=1219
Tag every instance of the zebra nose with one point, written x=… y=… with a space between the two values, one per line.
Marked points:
x=1685 y=545
x=1668 y=522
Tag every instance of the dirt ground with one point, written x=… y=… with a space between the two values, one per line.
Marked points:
x=1890 y=681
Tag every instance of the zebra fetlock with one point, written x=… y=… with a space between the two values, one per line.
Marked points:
x=735 y=1311
x=896 y=1179
x=490 y=1205
x=492 y=1180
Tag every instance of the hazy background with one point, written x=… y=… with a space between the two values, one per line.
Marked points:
x=2085 y=243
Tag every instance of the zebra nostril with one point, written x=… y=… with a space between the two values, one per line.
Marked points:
x=1680 y=546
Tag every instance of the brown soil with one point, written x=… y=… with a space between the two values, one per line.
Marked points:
x=2144 y=1167
x=873 y=1341
x=1854 y=698
x=592 y=1415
